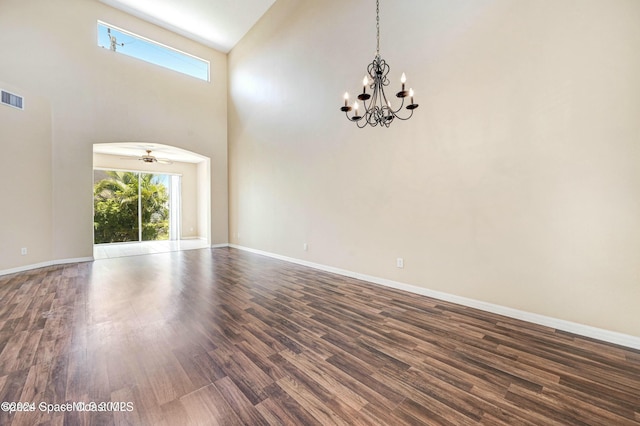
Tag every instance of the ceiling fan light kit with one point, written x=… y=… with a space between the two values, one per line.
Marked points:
x=148 y=158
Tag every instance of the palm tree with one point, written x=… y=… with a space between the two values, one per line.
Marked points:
x=116 y=208
x=155 y=213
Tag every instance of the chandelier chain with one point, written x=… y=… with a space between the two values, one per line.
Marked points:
x=378 y=27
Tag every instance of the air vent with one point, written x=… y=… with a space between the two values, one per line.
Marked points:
x=12 y=100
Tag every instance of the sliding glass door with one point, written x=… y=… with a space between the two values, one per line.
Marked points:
x=154 y=207
x=133 y=206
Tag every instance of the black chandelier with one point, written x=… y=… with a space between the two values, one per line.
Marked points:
x=378 y=109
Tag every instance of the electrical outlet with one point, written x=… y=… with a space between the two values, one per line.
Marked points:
x=23 y=251
x=305 y=246
x=400 y=262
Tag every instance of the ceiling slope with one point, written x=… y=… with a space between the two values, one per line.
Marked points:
x=219 y=24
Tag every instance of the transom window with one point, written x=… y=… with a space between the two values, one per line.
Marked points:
x=123 y=41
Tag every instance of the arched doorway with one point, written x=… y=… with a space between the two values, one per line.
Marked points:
x=163 y=199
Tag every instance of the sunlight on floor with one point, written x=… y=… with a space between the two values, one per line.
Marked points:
x=107 y=251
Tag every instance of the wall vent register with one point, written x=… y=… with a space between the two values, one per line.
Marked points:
x=12 y=99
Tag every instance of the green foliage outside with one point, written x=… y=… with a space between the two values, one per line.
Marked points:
x=115 y=206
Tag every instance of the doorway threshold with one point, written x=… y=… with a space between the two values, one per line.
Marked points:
x=109 y=251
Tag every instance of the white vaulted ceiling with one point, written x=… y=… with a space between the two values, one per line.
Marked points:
x=219 y=24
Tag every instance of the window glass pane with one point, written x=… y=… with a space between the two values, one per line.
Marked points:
x=121 y=41
x=154 y=190
x=115 y=206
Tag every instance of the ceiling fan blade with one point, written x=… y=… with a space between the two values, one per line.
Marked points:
x=129 y=158
x=163 y=161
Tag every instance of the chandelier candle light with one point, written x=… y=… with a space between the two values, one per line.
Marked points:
x=378 y=110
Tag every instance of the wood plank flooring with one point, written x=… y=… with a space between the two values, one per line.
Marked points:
x=227 y=337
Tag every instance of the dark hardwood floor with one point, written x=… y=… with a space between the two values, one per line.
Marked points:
x=228 y=337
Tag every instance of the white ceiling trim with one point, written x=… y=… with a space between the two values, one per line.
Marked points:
x=219 y=24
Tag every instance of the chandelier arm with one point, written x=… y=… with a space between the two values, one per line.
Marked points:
x=372 y=72
x=387 y=103
x=371 y=115
x=370 y=118
x=388 y=114
x=400 y=107
x=406 y=118
x=377 y=108
x=366 y=107
x=372 y=104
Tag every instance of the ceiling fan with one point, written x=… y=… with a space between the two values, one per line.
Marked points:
x=148 y=158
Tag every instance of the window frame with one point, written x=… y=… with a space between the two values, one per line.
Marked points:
x=153 y=42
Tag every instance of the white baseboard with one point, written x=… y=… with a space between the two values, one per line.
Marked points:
x=559 y=324
x=44 y=265
x=25 y=268
x=219 y=245
x=76 y=260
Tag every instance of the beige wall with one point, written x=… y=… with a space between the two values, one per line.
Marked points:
x=25 y=167
x=189 y=186
x=517 y=182
x=49 y=48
